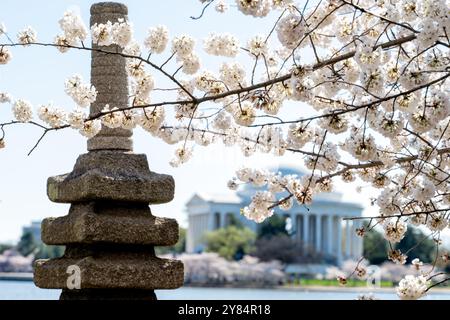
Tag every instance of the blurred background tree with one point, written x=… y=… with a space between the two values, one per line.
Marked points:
x=274 y=243
x=178 y=248
x=274 y=226
x=48 y=252
x=415 y=244
x=29 y=245
x=4 y=247
x=232 y=242
x=285 y=249
x=375 y=247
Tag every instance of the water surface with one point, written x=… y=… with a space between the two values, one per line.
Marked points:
x=26 y=290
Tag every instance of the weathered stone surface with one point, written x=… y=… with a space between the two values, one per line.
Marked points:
x=109 y=76
x=100 y=12
x=110 y=271
x=111 y=176
x=102 y=142
x=118 y=224
x=110 y=232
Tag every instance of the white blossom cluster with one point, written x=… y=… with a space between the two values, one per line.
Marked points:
x=412 y=287
x=233 y=75
x=182 y=155
x=256 y=8
x=74 y=31
x=225 y=45
x=209 y=267
x=22 y=110
x=27 y=36
x=5 y=97
x=5 y=55
x=291 y=30
x=221 y=6
x=90 y=128
x=359 y=92
x=394 y=230
x=82 y=94
x=281 y=192
x=258 y=46
x=118 y=33
x=55 y=117
x=157 y=39
x=183 y=48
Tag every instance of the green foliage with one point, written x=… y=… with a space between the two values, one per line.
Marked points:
x=178 y=248
x=421 y=247
x=274 y=226
x=4 y=247
x=447 y=268
x=414 y=242
x=231 y=242
x=375 y=247
x=283 y=248
x=234 y=221
x=49 y=252
x=27 y=244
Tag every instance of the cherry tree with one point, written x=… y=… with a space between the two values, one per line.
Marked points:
x=374 y=72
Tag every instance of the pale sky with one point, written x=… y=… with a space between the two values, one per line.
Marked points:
x=38 y=74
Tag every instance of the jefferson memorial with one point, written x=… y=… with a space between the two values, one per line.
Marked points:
x=319 y=225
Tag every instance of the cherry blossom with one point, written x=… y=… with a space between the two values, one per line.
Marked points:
x=157 y=39
x=5 y=55
x=82 y=94
x=412 y=288
x=357 y=92
x=27 y=36
x=22 y=110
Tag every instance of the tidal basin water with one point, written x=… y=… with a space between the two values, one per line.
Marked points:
x=25 y=290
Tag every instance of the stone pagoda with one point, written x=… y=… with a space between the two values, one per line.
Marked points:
x=110 y=232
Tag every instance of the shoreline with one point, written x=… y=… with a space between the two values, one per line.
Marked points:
x=28 y=277
x=16 y=276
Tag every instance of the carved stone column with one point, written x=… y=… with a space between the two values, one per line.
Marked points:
x=306 y=237
x=318 y=232
x=110 y=232
x=339 y=240
x=330 y=235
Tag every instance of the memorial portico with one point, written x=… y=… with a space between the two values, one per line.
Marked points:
x=320 y=227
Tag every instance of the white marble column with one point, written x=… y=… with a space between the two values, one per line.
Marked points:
x=299 y=226
x=361 y=242
x=211 y=221
x=357 y=252
x=305 y=230
x=197 y=231
x=329 y=235
x=338 y=225
x=354 y=241
x=318 y=234
x=204 y=223
x=190 y=237
x=294 y=226
x=348 y=239
x=222 y=219
x=192 y=228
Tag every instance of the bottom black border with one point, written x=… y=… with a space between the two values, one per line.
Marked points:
x=224 y=309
